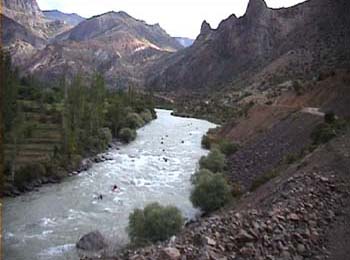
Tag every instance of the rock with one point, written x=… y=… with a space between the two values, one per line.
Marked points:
x=44 y=180
x=293 y=217
x=301 y=248
x=244 y=237
x=170 y=253
x=93 y=241
x=210 y=241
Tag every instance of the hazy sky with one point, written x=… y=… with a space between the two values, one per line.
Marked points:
x=177 y=17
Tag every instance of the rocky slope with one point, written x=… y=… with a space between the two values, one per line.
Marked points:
x=299 y=215
x=262 y=48
x=71 y=19
x=115 y=44
x=28 y=14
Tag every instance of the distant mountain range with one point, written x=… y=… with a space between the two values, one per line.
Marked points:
x=186 y=42
x=51 y=43
x=264 y=47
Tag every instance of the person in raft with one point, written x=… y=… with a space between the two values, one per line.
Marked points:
x=115 y=188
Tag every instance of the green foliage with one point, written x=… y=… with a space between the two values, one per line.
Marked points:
x=10 y=83
x=146 y=115
x=206 y=142
x=85 y=113
x=227 y=147
x=329 y=117
x=29 y=128
x=297 y=88
x=105 y=137
x=327 y=131
x=134 y=121
x=263 y=179
x=154 y=223
x=214 y=161
x=28 y=174
x=127 y=135
x=291 y=158
x=195 y=177
x=323 y=133
x=210 y=192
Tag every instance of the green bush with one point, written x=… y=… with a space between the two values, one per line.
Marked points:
x=146 y=115
x=195 y=177
x=215 y=161
x=323 y=133
x=329 y=117
x=227 y=147
x=263 y=179
x=206 y=142
x=105 y=137
x=29 y=128
x=134 y=121
x=29 y=173
x=210 y=192
x=154 y=223
x=127 y=135
x=326 y=131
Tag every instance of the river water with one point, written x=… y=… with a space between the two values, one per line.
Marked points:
x=157 y=166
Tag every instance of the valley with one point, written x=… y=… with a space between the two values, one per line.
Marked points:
x=250 y=160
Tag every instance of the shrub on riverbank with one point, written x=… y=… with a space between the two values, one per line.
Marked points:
x=134 y=121
x=211 y=192
x=154 y=223
x=127 y=135
x=146 y=115
x=195 y=177
x=227 y=147
x=214 y=161
x=31 y=172
x=206 y=142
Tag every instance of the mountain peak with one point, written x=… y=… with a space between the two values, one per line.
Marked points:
x=205 y=28
x=25 y=6
x=255 y=7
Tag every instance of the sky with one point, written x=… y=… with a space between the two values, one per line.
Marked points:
x=178 y=17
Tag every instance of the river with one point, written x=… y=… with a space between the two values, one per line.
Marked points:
x=157 y=166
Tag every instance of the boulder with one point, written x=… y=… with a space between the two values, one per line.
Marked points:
x=93 y=241
x=170 y=253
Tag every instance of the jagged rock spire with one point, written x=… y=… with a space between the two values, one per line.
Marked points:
x=255 y=7
x=205 y=28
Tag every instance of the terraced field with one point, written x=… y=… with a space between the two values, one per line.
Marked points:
x=41 y=143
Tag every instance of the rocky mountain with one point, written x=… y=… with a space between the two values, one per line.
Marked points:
x=184 y=41
x=262 y=48
x=71 y=19
x=28 y=14
x=114 y=43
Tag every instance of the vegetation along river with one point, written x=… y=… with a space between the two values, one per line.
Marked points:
x=157 y=166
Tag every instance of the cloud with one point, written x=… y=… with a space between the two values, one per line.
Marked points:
x=177 y=17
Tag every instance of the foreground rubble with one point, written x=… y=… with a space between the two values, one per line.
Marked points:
x=290 y=218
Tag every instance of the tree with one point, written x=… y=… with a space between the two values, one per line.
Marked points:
x=214 y=161
x=210 y=192
x=10 y=82
x=127 y=135
x=154 y=223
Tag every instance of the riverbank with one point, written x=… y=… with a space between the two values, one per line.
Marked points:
x=299 y=214
x=69 y=169
x=47 y=224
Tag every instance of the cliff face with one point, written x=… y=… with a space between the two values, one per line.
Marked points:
x=28 y=14
x=265 y=44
